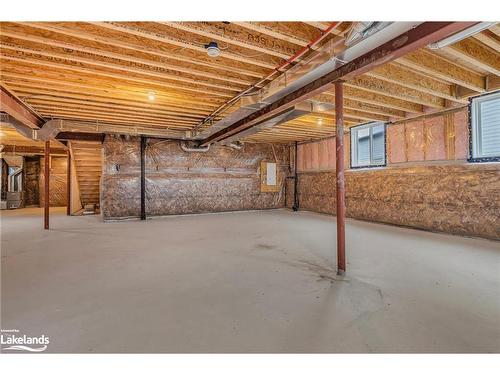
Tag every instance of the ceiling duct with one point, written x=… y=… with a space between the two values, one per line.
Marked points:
x=289 y=114
x=52 y=128
x=362 y=30
x=326 y=59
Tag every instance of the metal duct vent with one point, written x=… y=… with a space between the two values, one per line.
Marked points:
x=289 y=114
x=362 y=30
x=364 y=36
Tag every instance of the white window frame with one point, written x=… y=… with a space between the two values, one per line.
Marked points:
x=475 y=119
x=354 y=145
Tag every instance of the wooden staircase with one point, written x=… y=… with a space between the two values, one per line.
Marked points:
x=87 y=157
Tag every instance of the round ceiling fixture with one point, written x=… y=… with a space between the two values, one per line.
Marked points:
x=212 y=49
x=151 y=95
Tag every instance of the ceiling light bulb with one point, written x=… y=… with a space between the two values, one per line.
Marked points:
x=151 y=95
x=212 y=49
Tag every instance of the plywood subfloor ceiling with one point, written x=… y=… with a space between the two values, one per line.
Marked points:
x=104 y=72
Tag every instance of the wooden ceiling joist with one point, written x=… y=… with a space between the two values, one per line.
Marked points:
x=71 y=103
x=411 y=40
x=108 y=89
x=397 y=91
x=398 y=74
x=227 y=33
x=103 y=41
x=129 y=29
x=473 y=52
x=103 y=72
x=33 y=96
x=489 y=38
x=45 y=58
x=439 y=68
x=124 y=120
x=52 y=107
x=254 y=26
x=69 y=48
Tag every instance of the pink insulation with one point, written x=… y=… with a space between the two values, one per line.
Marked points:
x=396 y=147
x=323 y=155
x=314 y=156
x=330 y=144
x=415 y=141
x=460 y=120
x=435 y=143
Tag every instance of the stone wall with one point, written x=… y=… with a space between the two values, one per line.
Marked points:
x=178 y=182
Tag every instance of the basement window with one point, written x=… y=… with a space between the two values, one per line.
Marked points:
x=485 y=128
x=368 y=145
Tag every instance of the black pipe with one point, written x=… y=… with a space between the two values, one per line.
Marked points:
x=295 y=206
x=143 y=177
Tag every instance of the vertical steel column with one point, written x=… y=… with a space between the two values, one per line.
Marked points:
x=339 y=172
x=46 y=203
x=68 y=184
x=295 y=206
x=143 y=178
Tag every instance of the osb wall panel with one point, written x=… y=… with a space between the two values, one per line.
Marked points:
x=31 y=170
x=58 y=182
x=458 y=199
x=178 y=182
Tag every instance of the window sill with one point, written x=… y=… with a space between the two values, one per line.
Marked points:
x=368 y=167
x=491 y=159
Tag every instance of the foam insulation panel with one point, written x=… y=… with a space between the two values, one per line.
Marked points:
x=179 y=182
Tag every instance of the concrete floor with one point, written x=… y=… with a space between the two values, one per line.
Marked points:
x=246 y=282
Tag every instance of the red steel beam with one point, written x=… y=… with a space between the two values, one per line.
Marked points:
x=46 y=202
x=68 y=184
x=339 y=174
x=420 y=36
x=10 y=104
x=80 y=136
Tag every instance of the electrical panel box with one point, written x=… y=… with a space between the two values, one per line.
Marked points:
x=269 y=177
